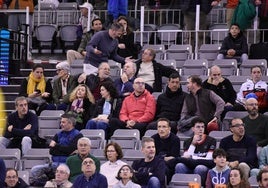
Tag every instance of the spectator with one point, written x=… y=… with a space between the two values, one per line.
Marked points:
x=150 y=171
x=22 y=126
x=234 y=46
x=38 y=89
x=81 y=105
x=256 y=123
x=74 y=162
x=90 y=178
x=94 y=81
x=96 y=25
x=63 y=144
x=200 y=102
x=108 y=107
x=125 y=176
x=116 y=8
x=137 y=110
x=169 y=103
x=263 y=21
x=83 y=20
x=61 y=178
x=254 y=85
x=2 y=172
x=240 y=148
x=262 y=178
x=263 y=162
x=13 y=180
x=103 y=46
x=63 y=85
x=124 y=84
x=126 y=46
x=237 y=179
x=113 y=153
x=198 y=150
x=219 y=175
x=151 y=71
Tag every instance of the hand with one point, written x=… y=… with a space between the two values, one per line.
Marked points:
x=128 y=59
x=84 y=53
x=130 y=124
x=9 y=128
x=196 y=139
x=228 y=104
x=45 y=94
x=34 y=94
x=82 y=78
x=124 y=77
x=233 y=164
x=214 y=3
x=231 y=52
x=213 y=120
x=121 y=46
x=168 y=158
x=187 y=156
x=52 y=143
x=96 y=51
x=216 y=81
x=80 y=110
x=28 y=127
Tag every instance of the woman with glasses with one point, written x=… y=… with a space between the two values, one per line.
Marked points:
x=125 y=176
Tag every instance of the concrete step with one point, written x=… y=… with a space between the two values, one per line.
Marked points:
x=10 y=88
x=10 y=96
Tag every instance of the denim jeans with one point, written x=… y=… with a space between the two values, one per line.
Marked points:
x=26 y=144
x=153 y=183
x=91 y=124
x=199 y=169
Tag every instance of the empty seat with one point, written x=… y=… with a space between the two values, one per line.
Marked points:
x=68 y=36
x=67 y=13
x=127 y=138
x=195 y=67
x=244 y=69
x=237 y=81
x=24 y=174
x=228 y=66
x=150 y=133
x=218 y=135
x=167 y=33
x=98 y=153
x=46 y=15
x=35 y=157
x=218 y=33
x=180 y=180
x=149 y=30
x=209 y=52
x=11 y=157
x=131 y=155
x=45 y=35
x=169 y=63
x=97 y=137
x=50 y=119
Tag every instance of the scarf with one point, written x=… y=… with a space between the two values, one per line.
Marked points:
x=34 y=84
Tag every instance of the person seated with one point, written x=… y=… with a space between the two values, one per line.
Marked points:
x=125 y=175
x=63 y=85
x=13 y=180
x=74 y=162
x=219 y=175
x=38 y=89
x=234 y=46
x=96 y=25
x=21 y=128
x=124 y=84
x=262 y=160
x=2 y=172
x=61 y=178
x=81 y=105
x=108 y=107
x=90 y=177
x=151 y=71
x=113 y=153
x=237 y=179
x=262 y=178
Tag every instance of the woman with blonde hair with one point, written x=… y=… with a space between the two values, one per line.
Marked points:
x=82 y=104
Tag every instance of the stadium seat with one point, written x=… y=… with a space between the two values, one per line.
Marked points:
x=35 y=157
x=97 y=137
x=195 y=67
x=11 y=157
x=244 y=69
x=150 y=133
x=68 y=36
x=127 y=138
x=131 y=155
x=167 y=33
x=183 y=180
x=228 y=66
x=45 y=34
x=209 y=52
x=24 y=174
x=253 y=182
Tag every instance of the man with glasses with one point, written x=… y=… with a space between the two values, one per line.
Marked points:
x=256 y=123
x=240 y=148
x=138 y=109
x=63 y=85
x=90 y=177
x=83 y=151
x=13 y=180
x=151 y=71
x=61 y=178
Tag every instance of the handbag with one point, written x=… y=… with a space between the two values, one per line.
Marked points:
x=36 y=100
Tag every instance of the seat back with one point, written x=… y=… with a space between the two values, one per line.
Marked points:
x=218 y=135
x=45 y=33
x=169 y=63
x=167 y=33
x=195 y=67
x=131 y=155
x=35 y=157
x=127 y=138
x=24 y=174
x=97 y=137
x=68 y=33
x=184 y=179
x=228 y=66
x=11 y=157
x=150 y=133
x=245 y=67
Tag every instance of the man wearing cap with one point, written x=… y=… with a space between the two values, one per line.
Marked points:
x=63 y=85
x=90 y=178
x=240 y=148
x=256 y=123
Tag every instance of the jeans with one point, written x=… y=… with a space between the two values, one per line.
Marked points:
x=199 y=169
x=26 y=144
x=153 y=183
x=239 y=59
x=91 y=124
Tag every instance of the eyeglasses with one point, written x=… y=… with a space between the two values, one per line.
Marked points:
x=238 y=125
x=87 y=162
x=60 y=172
x=111 y=151
x=139 y=83
x=252 y=104
x=11 y=177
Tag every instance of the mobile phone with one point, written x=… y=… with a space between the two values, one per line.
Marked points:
x=38 y=91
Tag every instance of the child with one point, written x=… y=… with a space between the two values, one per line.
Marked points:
x=234 y=46
x=220 y=173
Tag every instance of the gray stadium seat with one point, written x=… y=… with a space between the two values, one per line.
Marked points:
x=127 y=138
x=35 y=157
x=182 y=180
x=195 y=67
x=228 y=66
x=11 y=157
x=244 y=69
x=167 y=33
x=150 y=133
x=97 y=137
x=209 y=52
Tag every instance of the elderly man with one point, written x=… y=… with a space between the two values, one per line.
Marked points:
x=90 y=177
x=137 y=110
x=241 y=148
x=150 y=171
x=61 y=178
x=63 y=144
x=124 y=84
x=256 y=123
x=22 y=126
x=151 y=71
x=13 y=180
x=83 y=151
x=63 y=85
x=201 y=102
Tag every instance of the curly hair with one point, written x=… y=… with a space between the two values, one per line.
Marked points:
x=88 y=94
x=109 y=86
x=128 y=29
